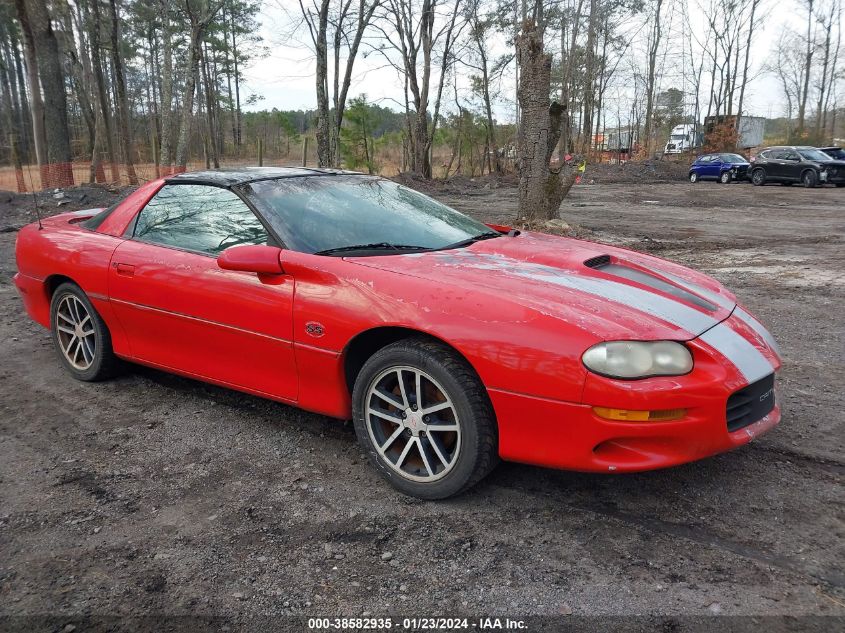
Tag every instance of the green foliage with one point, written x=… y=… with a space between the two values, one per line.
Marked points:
x=357 y=143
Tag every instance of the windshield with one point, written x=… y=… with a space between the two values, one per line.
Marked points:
x=813 y=154
x=678 y=137
x=835 y=153
x=313 y=214
x=733 y=158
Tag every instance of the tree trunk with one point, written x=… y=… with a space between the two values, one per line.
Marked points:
x=122 y=103
x=541 y=190
x=9 y=119
x=166 y=145
x=808 y=60
x=188 y=100
x=319 y=36
x=742 y=85
x=589 y=79
x=102 y=90
x=654 y=46
x=209 y=109
x=37 y=106
x=237 y=87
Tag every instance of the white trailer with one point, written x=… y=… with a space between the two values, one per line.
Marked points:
x=683 y=138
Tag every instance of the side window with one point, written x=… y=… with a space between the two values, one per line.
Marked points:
x=705 y=159
x=198 y=218
x=790 y=155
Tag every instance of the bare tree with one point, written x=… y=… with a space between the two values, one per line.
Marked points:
x=35 y=19
x=122 y=103
x=414 y=37
x=808 y=62
x=199 y=14
x=653 y=47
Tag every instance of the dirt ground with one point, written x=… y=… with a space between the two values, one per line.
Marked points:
x=157 y=494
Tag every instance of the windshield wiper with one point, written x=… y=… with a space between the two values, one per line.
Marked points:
x=487 y=235
x=376 y=246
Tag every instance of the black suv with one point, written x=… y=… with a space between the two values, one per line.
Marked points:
x=836 y=153
x=796 y=163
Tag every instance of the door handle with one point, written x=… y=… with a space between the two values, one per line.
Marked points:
x=125 y=270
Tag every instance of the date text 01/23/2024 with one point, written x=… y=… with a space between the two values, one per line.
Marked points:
x=415 y=624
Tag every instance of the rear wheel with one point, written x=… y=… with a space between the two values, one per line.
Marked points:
x=80 y=336
x=725 y=177
x=693 y=177
x=758 y=177
x=809 y=179
x=424 y=419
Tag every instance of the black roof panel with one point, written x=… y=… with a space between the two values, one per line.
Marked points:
x=229 y=176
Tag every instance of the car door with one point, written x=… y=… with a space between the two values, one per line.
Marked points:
x=791 y=168
x=714 y=166
x=703 y=166
x=775 y=163
x=181 y=311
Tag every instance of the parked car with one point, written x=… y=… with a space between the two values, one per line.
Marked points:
x=836 y=153
x=797 y=163
x=450 y=343
x=723 y=167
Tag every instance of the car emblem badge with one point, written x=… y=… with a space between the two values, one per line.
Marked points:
x=312 y=328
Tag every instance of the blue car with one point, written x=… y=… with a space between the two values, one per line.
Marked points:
x=722 y=167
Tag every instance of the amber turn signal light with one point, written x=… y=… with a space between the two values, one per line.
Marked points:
x=626 y=415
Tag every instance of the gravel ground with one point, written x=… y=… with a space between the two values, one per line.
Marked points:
x=158 y=494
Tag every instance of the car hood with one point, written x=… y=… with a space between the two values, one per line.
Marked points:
x=610 y=292
x=839 y=164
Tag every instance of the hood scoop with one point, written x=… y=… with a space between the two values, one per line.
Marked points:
x=605 y=265
x=598 y=261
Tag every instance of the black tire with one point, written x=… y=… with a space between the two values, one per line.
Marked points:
x=103 y=362
x=693 y=177
x=758 y=177
x=477 y=452
x=809 y=179
x=725 y=177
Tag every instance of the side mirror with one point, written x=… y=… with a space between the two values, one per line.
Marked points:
x=259 y=259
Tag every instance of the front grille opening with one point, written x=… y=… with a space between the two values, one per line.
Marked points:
x=751 y=403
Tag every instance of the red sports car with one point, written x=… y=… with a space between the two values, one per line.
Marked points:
x=450 y=343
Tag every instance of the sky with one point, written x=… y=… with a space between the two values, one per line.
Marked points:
x=285 y=78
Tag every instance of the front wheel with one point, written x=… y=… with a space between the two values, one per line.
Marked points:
x=424 y=419
x=80 y=336
x=758 y=177
x=809 y=179
x=725 y=177
x=693 y=177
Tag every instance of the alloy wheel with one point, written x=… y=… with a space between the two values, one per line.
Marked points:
x=413 y=424
x=75 y=332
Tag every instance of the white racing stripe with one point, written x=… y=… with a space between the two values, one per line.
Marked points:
x=651 y=303
x=758 y=327
x=693 y=321
x=713 y=297
x=747 y=358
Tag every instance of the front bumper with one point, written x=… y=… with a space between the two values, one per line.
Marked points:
x=832 y=176
x=572 y=436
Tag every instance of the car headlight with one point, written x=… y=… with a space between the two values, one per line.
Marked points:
x=638 y=359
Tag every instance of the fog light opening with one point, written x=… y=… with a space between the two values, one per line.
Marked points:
x=628 y=415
